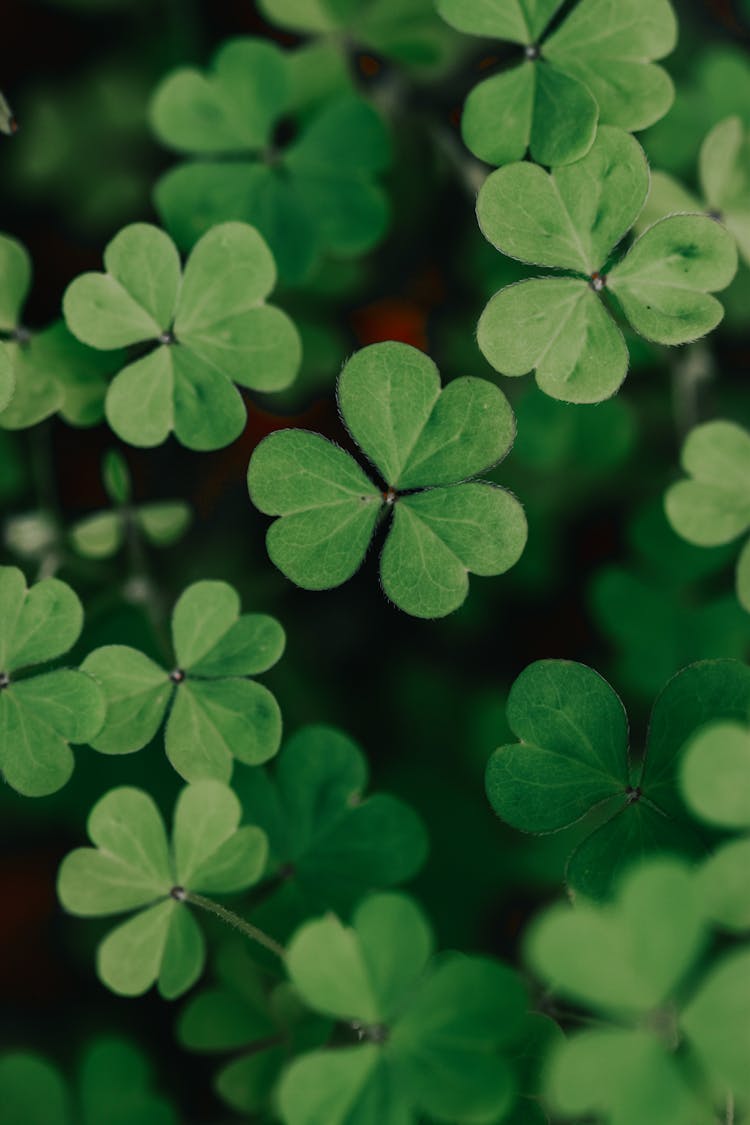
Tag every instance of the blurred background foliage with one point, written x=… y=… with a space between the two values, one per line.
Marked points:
x=603 y=580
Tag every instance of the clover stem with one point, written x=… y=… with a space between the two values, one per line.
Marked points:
x=729 y=1119
x=232 y=919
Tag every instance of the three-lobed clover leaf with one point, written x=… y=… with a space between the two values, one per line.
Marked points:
x=431 y=1032
x=160 y=522
x=426 y=444
x=113 y=1084
x=329 y=843
x=256 y=1018
x=631 y=963
x=713 y=507
x=715 y=783
x=41 y=712
x=46 y=371
x=596 y=67
x=571 y=219
x=724 y=179
x=214 y=712
x=208 y=326
x=572 y=759
x=317 y=194
x=406 y=31
x=133 y=867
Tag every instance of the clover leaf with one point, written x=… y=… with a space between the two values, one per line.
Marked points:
x=160 y=522
x=571 y=219
x=572 y=759
x=8 y=123
x=263 y=1023
x=715 y=782
x=425 y=444
x=44 y=371
x=328 y=843
x=318 y=194
x=595 y=67
x=41 y=712
x=629 y=962
x=133 y=868
x=208 y=325
x=406 y=31
x=214 y=712
x=713 y=507
x=430 y=1033
x=113 y=1084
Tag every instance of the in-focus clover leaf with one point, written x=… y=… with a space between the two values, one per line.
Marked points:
x=41 y=712
x=572 y=759
x=629 y=962
x=49 y=369
x=209 y=326
x=596 y=67
x=406 y=31
x=215 y=713
x=113 y=1084
x=263 y=1024
x=426 y=444
x=133 y=868
x=715 y=782
x=713 y=506
x=160 y=522
x=431 y=1032
x=328 y=843
x=571 y=219
x=318 y=194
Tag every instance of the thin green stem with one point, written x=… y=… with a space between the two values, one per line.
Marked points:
x=232 y=919
x=729 y=1119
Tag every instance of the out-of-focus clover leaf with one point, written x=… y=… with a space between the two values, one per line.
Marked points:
x=8 y=123
x=431 y=1033
x=160 y=522
x=330 y=844
x=317 y=194
x=554 y=435
x=572 y=759
x=630 y=963
x=426 y=444
x=595 y=67
x=215 y=713
x=408 y=32
x=114 y=1084
x=713 y=506
x=208 y=326
x=571 y=219
x=715 y=782
x=41 y=712
x=133 y=868
x=261 y=1022
x=49 y=370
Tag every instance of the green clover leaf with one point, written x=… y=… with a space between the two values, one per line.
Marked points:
x=571 y=219
x=628 y=963
x=330 y=844
x=425 y=444
x=101 y=535
x=596 y=67
x=46 y=371
x=133 y=868
x=405 y=31
x=572 y=759
x=319 y=194
x=264 y=1024
x=430 y=1033
x=41 y=712
x=715 y=782
x=713 y=507
x=724 y=179
x=209 y=326
x=113 y=1084
x=214 y=712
